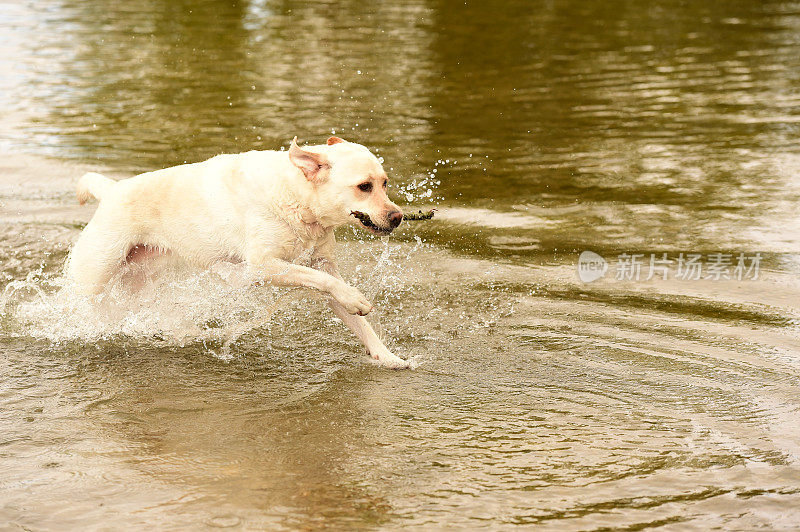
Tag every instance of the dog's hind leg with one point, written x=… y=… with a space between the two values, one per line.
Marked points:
x=95 y=258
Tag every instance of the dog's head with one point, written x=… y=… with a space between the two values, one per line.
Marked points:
x=347 y=179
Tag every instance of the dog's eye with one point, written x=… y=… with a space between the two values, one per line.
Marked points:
x=385 y=183
x=365 y=187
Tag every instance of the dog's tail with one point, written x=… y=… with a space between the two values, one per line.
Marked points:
x=94 y=185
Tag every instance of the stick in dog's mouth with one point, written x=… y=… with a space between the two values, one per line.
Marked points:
x=366 y=221
x=419 y=215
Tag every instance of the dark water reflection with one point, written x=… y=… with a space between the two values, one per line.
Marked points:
x=541 y=129
x=666 y=115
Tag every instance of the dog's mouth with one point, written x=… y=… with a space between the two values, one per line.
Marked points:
x=366 y=221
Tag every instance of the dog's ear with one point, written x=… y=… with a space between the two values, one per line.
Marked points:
x=312 y=164
x=334 y=140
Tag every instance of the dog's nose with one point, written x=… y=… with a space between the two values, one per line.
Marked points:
x=395 y=217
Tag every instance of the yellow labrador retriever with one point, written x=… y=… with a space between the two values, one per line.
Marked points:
x=265 y=208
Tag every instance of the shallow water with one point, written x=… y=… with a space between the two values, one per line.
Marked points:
x=538 y=131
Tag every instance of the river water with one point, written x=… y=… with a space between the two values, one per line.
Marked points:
x=660 y=135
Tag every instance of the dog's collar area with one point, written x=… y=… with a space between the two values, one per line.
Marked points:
x=367 y=222
x=302 y=219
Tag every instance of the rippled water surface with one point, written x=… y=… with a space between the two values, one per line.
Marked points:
x=539 y=130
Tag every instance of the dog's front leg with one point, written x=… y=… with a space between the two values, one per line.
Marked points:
x=282 y=273
x=361 y=327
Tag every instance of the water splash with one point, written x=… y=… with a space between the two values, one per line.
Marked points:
x=175 y=307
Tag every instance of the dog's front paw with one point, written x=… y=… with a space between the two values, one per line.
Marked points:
x=387 y=359
x=352 y=299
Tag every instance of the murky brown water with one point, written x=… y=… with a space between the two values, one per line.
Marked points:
x=539 y=130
